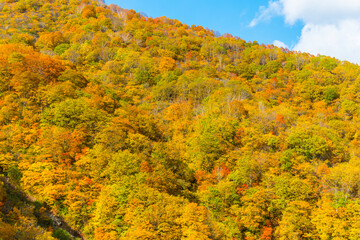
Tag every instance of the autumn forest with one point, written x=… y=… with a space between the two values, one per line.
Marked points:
x=115 y=125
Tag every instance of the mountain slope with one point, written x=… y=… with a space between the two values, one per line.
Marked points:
x=130 y=127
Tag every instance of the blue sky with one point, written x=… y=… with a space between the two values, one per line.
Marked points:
x=227 y=16
x=326 y=27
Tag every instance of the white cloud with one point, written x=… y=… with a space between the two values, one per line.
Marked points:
x=341 y=40
x=266 y=13
x=280 y=44
x=331 y=27
x=320 y=11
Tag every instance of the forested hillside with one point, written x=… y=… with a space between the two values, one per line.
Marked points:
x=131 y=127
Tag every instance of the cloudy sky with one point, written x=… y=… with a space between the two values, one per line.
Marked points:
x=327 y=27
